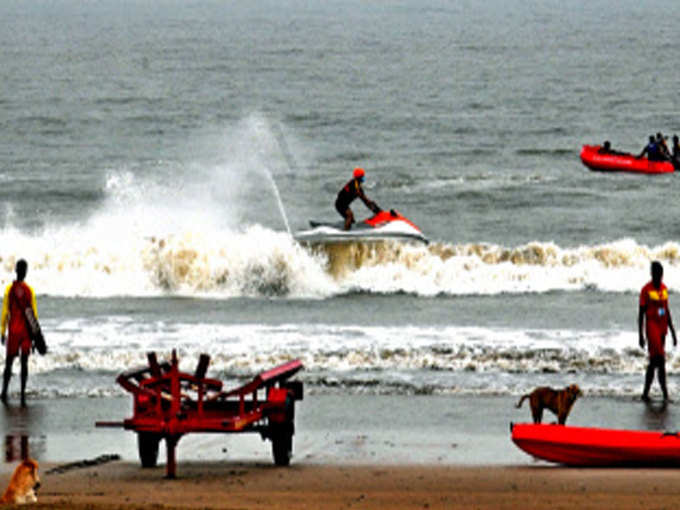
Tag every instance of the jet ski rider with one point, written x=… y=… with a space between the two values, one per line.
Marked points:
x=348 y=193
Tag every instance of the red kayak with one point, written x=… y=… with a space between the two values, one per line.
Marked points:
x=586 y=446
x=594 y=160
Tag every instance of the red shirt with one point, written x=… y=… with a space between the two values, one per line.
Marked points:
x=20 y=298
x=655 y=302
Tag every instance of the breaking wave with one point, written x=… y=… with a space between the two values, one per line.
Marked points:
x=100 y=261
x=190 y=229
x=487 y=269
x=412 y=359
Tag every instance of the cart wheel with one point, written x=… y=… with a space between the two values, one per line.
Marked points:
x=282 y=435
x=282 y=445
x=148 y=448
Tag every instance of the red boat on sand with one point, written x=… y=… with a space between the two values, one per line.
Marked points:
x=609 y=162
x=588 y=446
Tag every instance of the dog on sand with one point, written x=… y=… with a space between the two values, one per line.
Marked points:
x=559 y=402
x=23 y=484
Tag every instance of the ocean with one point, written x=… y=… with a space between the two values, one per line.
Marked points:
x=157 y=155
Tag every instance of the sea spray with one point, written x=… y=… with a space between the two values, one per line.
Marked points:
x=199 y=228
x=264 y=142
x=257 y=262
x=277 y=195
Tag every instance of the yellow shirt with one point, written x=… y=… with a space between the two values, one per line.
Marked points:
x=4 y=318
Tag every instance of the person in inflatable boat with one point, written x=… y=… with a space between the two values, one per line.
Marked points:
x=652 y=150
x=663 y=147
x=607 y=149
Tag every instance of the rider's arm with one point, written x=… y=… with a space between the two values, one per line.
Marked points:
x=368 y=203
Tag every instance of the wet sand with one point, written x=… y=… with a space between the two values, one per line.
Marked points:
x=330 y=429
x=349 y=452
x=253 y=486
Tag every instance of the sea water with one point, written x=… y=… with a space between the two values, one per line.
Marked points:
x=153 y=154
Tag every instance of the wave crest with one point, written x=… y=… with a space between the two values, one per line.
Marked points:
x=484 y=268
x=258 y=262
x=103 y=259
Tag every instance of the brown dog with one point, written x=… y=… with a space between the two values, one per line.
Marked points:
x=558 y=401
x=23 y=484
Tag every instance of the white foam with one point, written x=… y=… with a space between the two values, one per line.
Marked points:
x=108 y=256
x=113 y=343
x=486 y=269
x=409 y=359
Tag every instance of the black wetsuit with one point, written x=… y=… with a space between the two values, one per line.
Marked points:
x=347 y=194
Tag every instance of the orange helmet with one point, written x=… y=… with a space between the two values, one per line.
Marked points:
x=359 y=172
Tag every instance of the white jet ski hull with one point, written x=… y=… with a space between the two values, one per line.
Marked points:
x=384 y=226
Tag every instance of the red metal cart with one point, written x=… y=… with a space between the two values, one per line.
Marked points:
x=168 y=403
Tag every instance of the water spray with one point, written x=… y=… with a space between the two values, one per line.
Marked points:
x=283 y=147
x=280 y=202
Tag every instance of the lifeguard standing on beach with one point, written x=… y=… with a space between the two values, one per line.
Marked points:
x=656 y=316
x=18 y=296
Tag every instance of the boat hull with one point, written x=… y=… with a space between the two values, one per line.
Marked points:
x=622 y=162
x=384 y=226
x=588 y=446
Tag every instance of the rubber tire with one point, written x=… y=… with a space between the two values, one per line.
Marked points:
x=147 y=443
x=282 y=435
x=282 y=446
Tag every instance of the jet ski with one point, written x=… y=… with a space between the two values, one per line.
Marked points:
x=383 y=226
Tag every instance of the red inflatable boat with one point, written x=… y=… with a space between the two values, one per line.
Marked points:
x=622 y=162
x=586 y=446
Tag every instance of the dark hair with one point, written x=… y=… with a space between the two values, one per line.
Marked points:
x=657 y=270
x=21 y=269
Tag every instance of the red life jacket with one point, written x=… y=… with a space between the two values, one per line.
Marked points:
x=19 y=299
x=348 y=193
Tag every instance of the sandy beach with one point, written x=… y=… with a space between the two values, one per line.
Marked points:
x=251 y=485
x=350 y=452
